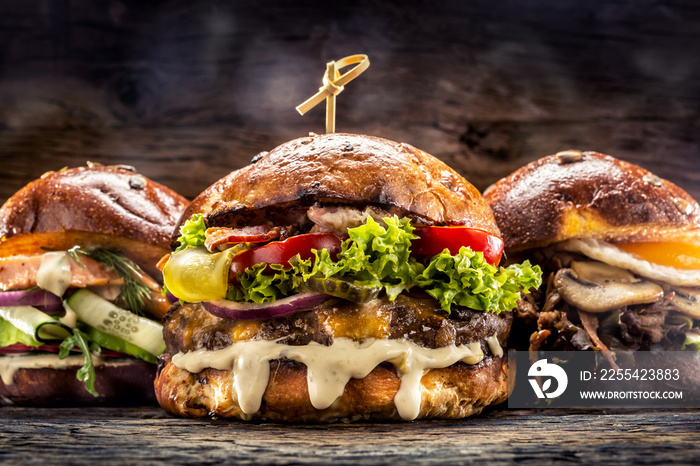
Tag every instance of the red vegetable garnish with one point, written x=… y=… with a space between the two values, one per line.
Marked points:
x=253 y=311
x=255 y=234
x=279 y=252
x=433 y=240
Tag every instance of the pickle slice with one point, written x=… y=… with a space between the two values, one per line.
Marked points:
x=341 y=289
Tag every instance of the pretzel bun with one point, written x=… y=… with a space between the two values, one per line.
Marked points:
x=560 y=197
x=127 y=383
x=111 y=207
x=344 y=169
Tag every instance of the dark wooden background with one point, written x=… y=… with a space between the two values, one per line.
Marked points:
x=188 y=91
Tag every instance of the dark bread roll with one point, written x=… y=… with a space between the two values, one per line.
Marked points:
x=101 y=206
x=127 y=383
x=596 y=196
x=454 y=392
x=345 y=169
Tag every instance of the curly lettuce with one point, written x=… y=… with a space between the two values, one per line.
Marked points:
x=192 y=233
x=379 y=256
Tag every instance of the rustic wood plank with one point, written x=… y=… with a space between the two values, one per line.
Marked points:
x=110 y=435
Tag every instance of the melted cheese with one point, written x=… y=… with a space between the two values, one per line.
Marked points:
x=54 y=274
x=612 y=255
x=330 y=368
x=9 y=365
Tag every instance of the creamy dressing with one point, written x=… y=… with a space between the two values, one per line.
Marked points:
x=329 y=368
x=54 y=274
x=494 y=345
x=9 y=365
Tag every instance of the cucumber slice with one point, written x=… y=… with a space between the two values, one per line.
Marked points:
x=112 y=320
x=33 y=322
x=113 y=343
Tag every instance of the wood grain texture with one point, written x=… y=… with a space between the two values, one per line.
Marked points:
x=188 y=91
x=147 y=435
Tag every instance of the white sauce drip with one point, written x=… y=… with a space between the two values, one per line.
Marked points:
x=54 y=273
x=329 y=368
x=9 y=365
x=494 y=345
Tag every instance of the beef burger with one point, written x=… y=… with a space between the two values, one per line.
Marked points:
x=338 y=277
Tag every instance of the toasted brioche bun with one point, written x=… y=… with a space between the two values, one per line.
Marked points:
x=597 y=196
x=344 y=169
x=454 y=392
x=278 y=187
x=125 y=384
x=92 y=206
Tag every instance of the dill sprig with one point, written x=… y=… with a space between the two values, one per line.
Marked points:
x=134 y=292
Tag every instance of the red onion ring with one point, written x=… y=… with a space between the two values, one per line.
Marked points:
x=253 y=311
x=40 y=299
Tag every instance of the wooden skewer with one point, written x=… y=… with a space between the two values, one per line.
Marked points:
x=333 y=84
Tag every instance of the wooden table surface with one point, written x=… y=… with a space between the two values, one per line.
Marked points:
x=148 y=435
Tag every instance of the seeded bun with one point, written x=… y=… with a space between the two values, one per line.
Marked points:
x=346 y=169
x=455 y=392
x=590 y=195
x=112 y=207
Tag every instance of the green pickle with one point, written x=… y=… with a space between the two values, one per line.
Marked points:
x=195 y=274
x=341 y=289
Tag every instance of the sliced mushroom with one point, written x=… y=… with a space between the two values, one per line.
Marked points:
x=598 y=287
x=687 y=301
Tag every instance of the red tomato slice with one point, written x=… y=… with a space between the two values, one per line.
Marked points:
x=433 y=240
x=279 y=252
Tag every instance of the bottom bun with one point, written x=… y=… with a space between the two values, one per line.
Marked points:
x=117 y=385
x=454 y=392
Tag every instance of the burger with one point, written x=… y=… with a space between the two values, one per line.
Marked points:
x=620 y=252
x=338 y=277
x=81 y=302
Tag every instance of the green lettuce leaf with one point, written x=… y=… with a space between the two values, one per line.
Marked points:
x=11 y=335
x=692 y=341
x=375 y=255
x=466 y=279
x=192 y=233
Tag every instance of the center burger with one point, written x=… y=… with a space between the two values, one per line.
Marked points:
x=338 y=277
x=79 y=310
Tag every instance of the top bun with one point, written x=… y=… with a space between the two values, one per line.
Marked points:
x=343 y=169
x=102 y=206
x=590 y=195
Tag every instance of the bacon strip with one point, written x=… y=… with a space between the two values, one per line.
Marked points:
x=19 y=273
x=254 y=234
